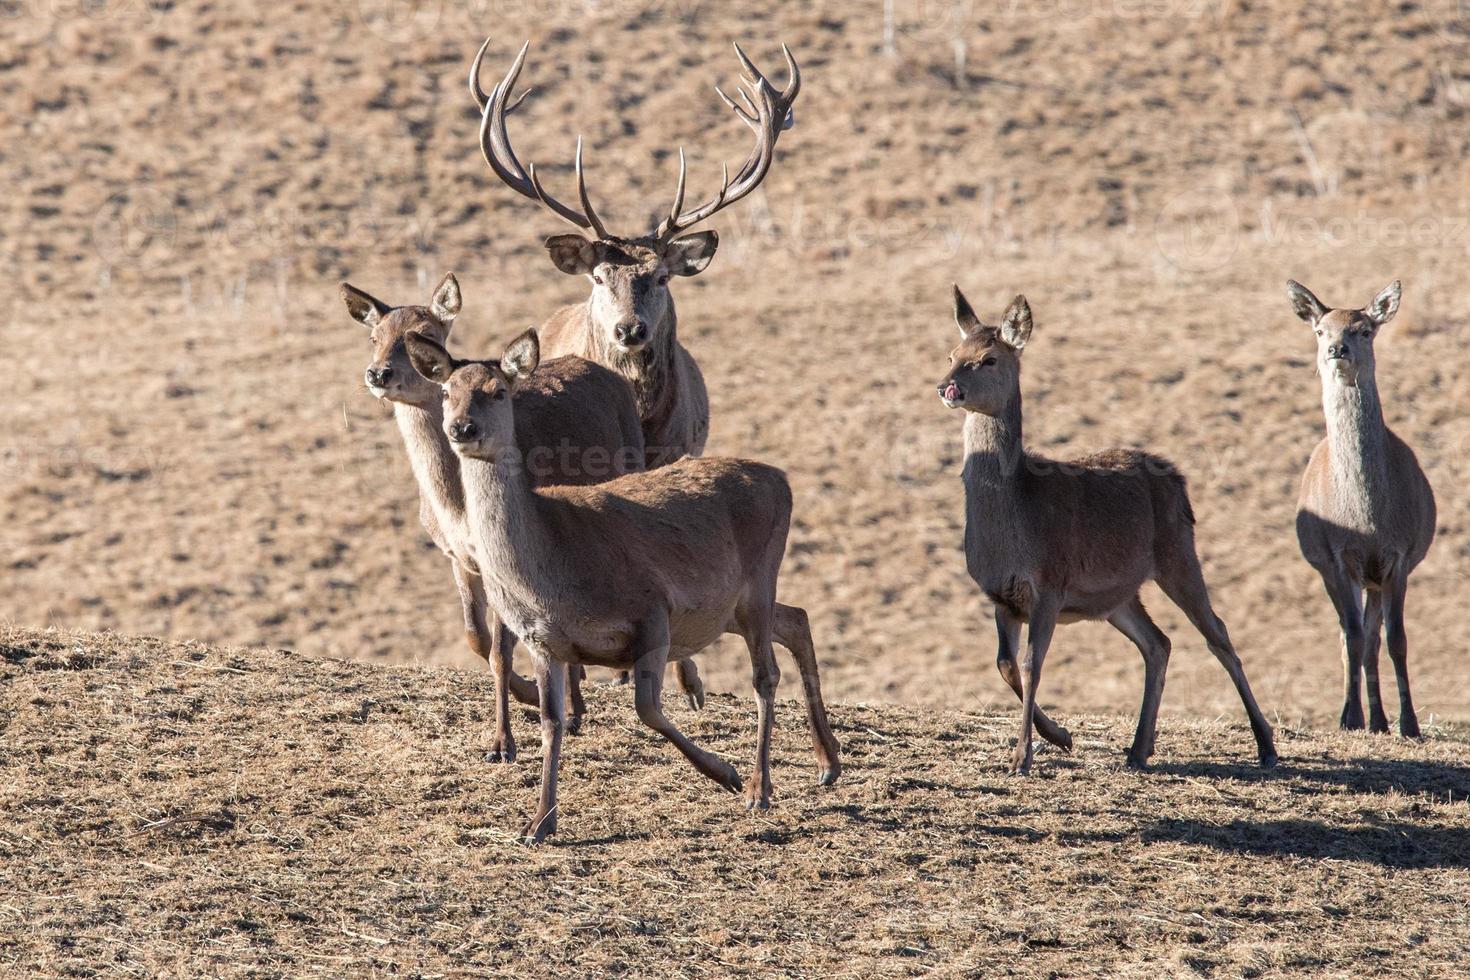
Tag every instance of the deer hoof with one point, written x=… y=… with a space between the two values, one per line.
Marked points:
x=574 y=725
x=695 y=699
x=762 y=802
x=1409 y=727
x=1137 y=762
x=1269 y=760
x=501 y=752
x=539 y=828
x=829 y=775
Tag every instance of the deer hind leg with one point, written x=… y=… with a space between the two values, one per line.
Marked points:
x=576 y=674
x=793 y=631
x=551 y=679
x=755 y=627
x=652 y=650
x=1008 y=628
x=1398 y=651
x=1183 y=582
x=1372 y=637
x=1133 y=621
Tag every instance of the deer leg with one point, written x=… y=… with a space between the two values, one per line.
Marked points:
x=1044 y=612
x=576 y=674
x=551 y=679
x=1372 y=636
x=764 y=676
x=1184 y=583
x=1347 y=599
x=1008 y=628
x=1133 y=622
x=793 y=631
x=492 y=642
x=1398 y=652
x=651 y=647
x=690 y=683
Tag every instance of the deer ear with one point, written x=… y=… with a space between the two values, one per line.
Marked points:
x=1015 y=328
x=964 y=316
x=521 y=357
x=447 y=300
x=573 y=254
x=1303 y=303
x=1385 y=304
x=429 y=357
x=689 y=255
x=363 y=308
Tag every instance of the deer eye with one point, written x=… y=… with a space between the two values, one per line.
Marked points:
x=663 y=278
x=498 y=394
x=987 y=362
x=597 y=279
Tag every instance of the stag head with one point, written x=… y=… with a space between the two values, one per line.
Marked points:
x=630 y=301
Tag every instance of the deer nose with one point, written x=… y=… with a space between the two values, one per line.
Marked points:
x=463 y=430
x=1335 y=351
x=379 y=377
x=632 y=333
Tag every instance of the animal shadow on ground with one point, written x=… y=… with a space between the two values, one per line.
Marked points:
x=1389 y=843
x=1360 y=775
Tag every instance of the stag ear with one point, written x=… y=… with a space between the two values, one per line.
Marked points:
x=429 y=358
x=1015 y=328
x=1304 y=304
x=964 y=316
x=521 y=357
x=447 y=300
x=573 y=254
x=363 y=308
x=1385 y=304
x=689 y=255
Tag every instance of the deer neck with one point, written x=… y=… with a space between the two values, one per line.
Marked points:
x=434 y=464
x=993 y=451
x=650 y=371
x=505 y=513
x=1357 y=443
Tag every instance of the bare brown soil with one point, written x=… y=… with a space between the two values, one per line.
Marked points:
x=182 y=810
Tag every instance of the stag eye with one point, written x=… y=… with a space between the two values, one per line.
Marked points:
x=498 y=394
x=987 y=362
x=663 y=278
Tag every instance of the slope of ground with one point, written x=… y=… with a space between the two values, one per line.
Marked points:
x=179 y=809
x=186 y=449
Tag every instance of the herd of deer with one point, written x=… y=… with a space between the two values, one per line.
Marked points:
x=565 y=481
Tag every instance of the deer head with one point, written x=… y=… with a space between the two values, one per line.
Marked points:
x=1344 y=337
x=985 y=369
x=630 y=276
x=389 y=374
x=478 y=419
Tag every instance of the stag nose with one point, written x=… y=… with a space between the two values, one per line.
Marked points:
x=379 y=377
x=463 y=430
x=631 y=334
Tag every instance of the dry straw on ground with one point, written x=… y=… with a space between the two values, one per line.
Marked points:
x=180 y=809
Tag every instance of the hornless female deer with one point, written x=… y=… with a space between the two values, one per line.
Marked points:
x=629 y=574
x=628 y=322
x=1056 y=542
x=575 y=424
x=1365 y=516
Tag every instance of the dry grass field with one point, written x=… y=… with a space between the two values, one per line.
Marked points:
x=187 y=449
x=178 y=809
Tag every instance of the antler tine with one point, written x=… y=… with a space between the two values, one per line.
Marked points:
x=597 y=227
x=498 y=153
x=765 y=111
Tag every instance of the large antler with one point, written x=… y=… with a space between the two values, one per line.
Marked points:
x=767 y=113
x=495 y=145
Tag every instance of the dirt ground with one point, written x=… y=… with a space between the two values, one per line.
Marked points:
x=175 y=809
x=186 y=448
